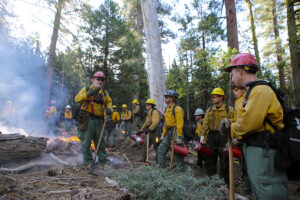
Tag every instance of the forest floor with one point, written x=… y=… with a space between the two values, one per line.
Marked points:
x=73 y=181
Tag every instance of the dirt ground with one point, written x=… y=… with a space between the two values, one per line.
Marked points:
x=74 y=182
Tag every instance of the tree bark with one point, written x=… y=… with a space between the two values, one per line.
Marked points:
x=15 y=147
x=280 y=64
x=154 y=55
x=139 y=29
x=232 y=37
x=294 y=51
x=51 y=60
x=254 y=38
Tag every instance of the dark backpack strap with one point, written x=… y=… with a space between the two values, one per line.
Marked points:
x=173 y=109
x=227 y=108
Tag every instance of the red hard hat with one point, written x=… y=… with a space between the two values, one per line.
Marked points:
x=52 y=102
x=243 y=60
x=98 y=74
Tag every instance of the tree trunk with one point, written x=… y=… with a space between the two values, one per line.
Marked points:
x=51 y=60
x=155 y=68
x=280 y=64
x=139 y=29
x=294 y=51
x=106 y=52
x=254 y=38
x=232 y=37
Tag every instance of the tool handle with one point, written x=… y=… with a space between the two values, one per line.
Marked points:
x=98 y=145
x=147 y=156
x=231 y=170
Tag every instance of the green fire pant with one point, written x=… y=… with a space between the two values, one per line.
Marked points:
x=127 y=128
x=267 y=182
x=216 y=142
x=152 y=140
x=93 y=133
x=136 y=124
x=112 y=137
x=164 y=148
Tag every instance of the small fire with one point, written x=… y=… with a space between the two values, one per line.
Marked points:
x=67 y=139
x=123 y=132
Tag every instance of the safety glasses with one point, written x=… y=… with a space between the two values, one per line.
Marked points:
x=100 y=79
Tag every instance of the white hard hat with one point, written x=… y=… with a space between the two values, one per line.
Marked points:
x=68 y=106
x=199 y=111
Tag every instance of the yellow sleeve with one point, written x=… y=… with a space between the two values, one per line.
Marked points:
x=128 y=116
x=136 y=110
x=262 y=102
x=118 y=117
x=164 y=129
x=205 y=125
x=179 y=115
x=81 y=96
x=108 y=100
x=147 y=122
x=155 y=120
x=198 y=129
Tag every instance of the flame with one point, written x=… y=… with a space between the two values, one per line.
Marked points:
x=123 y=132
x=67 y=139
x=156 y=140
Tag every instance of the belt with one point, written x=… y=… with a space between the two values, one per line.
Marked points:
x=261 y=139
x=92 y=116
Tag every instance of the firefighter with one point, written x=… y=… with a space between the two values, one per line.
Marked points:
x=173 y=121
x=126 y=117
x=150 y=127
x=115 y=118
x=199 y=116
x=95 y=105
x=215 y=141
x=255 y=132
x=68 y=118
x=136 y=112
x=52 y=118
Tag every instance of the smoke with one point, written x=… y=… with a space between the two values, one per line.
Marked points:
x=22 y=84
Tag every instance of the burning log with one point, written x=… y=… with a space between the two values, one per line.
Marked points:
x=15 y=147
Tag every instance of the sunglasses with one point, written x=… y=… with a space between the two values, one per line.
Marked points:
x=100 y=79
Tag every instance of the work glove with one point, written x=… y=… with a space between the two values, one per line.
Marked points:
x=179 y=140
x=161 y=138
x=139 y=133
x=92 y=92
x=235 y=142
x=108 y=111
x=147 y=131
x=99 y=99
x=224 y=126
x=202 y=140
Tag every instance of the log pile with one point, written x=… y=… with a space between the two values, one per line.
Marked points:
x=15 y=147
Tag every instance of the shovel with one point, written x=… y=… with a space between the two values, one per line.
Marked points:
x=91 y=170
x=231 y=171
x=147 y=156
x=172 y=153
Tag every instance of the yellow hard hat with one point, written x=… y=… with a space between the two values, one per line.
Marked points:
x=114 y=106
x=9 y=102
x=150 y=101
x=135 y=101
x=218 y=91
x=124 y=106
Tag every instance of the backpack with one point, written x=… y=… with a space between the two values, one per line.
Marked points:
x=143 y=113
x=188 y=129
x=159 y=129
x=288 y=140
x=76 y=110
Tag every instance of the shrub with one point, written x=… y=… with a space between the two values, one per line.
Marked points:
x=148 y=182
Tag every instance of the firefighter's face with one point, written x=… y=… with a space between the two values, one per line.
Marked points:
x=237 y=76
x=98 y=82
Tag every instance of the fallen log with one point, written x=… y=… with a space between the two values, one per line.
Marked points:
x=15 y=147
x=26 y=167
